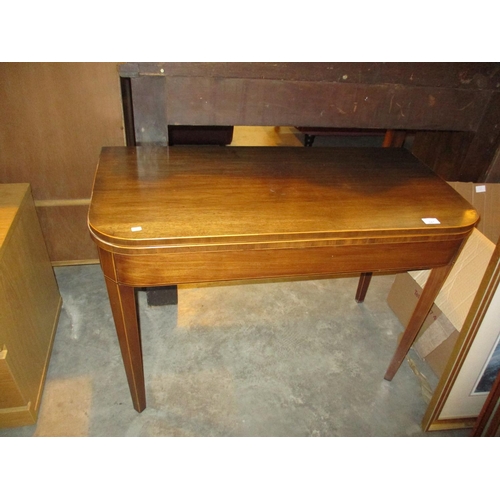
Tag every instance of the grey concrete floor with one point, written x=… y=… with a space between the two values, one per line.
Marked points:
x=293 y=358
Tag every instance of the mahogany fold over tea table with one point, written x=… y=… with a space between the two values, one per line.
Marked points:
x=175 y=215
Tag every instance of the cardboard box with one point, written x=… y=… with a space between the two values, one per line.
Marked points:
x=460 y=288
x=440 y=330
x=403 y=297
x=437 y=336
x=485 y=198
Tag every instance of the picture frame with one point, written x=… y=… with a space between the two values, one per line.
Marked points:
x=465 y=384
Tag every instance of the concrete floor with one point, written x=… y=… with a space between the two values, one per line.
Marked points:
x=297 y=358
x=293 y=358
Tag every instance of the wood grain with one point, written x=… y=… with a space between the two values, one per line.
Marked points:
x=55 y=119
x=463 y=75
x=30 y=303
x=450 y=97
x=65 y=231
x=216 y=101
x=207 y=196
x=164 y=216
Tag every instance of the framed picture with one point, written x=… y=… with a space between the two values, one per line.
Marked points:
x=488 y=375
x=475 y=361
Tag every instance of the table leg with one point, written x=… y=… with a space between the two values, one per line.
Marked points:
x=309 y=140
x=364 y=281
x=434 y=283
x=124 y=307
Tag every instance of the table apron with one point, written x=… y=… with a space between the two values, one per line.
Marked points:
x=173 y=268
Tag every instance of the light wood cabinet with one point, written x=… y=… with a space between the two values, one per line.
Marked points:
x=30 y=303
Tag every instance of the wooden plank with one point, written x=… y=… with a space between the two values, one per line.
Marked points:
x=448 y=97
x=481 y=153
x=464 y=156
x=66 y=233
x=493 y=173
x=209 y=101
x=465 y=75
x=443 y=151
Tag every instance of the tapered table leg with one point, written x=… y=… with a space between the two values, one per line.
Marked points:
x=124 y=307
x=435 y=281
x=364 y=282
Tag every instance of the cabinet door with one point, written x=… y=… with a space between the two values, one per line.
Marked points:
x=10 y=394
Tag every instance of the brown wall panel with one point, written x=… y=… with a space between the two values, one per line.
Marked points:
x=55 y=119
x=444 y=152
x=66 y=234
x=478 y=163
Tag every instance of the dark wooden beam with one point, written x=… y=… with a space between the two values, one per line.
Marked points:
x=453 y=107
x=458 y=75
x=128 y=111
x=444 y=151
x=464 y=156
x=214 y=101
x=484 y=146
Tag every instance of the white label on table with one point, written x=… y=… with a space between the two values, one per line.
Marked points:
x=136 y=228
x=431 y=220
x=480 y=189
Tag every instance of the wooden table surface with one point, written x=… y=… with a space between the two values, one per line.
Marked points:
x=207 y=195
x=184 y=214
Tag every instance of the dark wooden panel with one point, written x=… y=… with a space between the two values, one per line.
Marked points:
x=128 y=111
x=66 y=234
x=466 y=75
x=208 y=101
x=465 y=157
x=493 y=174
x=448 y=97
x=481 y=153
x=442 y=151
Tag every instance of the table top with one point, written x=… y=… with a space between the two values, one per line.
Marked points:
x=195 y=195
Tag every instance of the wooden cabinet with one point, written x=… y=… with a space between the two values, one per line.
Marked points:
x=29 y=307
